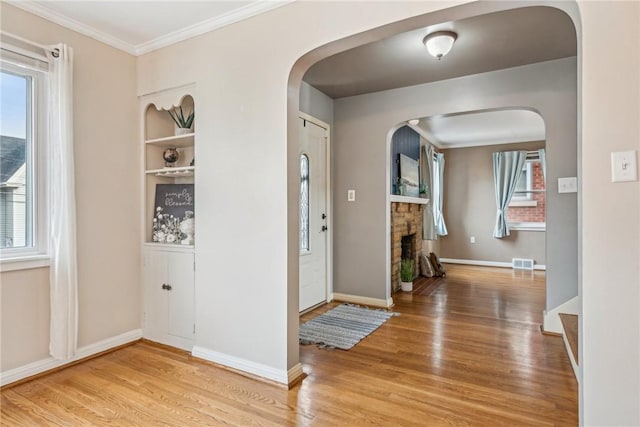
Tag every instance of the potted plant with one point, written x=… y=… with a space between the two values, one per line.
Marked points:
x=406 y=275
x=183 y=123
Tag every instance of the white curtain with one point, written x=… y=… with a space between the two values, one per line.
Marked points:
x=63 y=270
x=438 y=183
x=426 y=169
x=507 y=167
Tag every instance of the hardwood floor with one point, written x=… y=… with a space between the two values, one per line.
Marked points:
x=467 y=352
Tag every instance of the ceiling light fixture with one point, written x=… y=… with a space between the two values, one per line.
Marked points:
x=439 y=43
x=414 y=122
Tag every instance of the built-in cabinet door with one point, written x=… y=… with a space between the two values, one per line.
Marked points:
x=169 y=297
x=181 y=295
x=156 y=299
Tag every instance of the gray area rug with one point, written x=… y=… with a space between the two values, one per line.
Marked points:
x=343 y=326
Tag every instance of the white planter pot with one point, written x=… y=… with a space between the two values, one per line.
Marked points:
x=406 y=286
x=182 y=131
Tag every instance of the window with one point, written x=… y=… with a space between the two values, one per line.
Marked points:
x=524 y=185
x=528 y=205
x=22 y=163
x=304 y=203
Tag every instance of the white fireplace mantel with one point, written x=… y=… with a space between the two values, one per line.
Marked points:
x=406 y=199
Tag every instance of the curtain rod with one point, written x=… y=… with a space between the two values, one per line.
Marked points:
x=54 y=51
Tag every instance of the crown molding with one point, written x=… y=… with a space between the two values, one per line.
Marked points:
x=252 y=9
x=72 y=24
x=236 y=15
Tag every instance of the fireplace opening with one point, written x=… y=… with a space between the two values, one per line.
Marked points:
x=407 y=246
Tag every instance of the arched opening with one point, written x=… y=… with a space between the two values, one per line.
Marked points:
x=466 y=140
x=365 y=121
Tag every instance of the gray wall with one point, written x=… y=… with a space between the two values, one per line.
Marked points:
x=316 y=103
x=361 y=149
x=470 y=209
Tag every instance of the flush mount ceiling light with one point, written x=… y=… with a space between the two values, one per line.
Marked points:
x=414 y=122
x=439 y=43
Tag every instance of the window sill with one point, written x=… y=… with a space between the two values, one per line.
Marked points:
x=24 y=263
x=523 y=204
x=527 y=226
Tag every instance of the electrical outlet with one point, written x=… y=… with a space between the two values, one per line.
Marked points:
x=351 y=195
x=472 y=239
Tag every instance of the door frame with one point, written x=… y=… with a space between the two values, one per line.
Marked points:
x=328 y=207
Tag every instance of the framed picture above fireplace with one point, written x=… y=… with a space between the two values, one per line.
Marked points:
x=409 y=176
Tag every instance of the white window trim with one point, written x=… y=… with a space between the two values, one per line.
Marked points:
x=529 y=184
x=37 y=255
x=523 y=204
x=528 y=226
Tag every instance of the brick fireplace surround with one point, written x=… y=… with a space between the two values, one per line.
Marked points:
x=406 y=219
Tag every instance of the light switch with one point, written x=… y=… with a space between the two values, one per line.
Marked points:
x=568 y=185
x=351 y=195
x=623 y=166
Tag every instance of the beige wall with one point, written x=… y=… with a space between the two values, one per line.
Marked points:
x=470 y=209
x=24 y=317
x=108 y=201
x=610 y=329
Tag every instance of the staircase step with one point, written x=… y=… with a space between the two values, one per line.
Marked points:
x=570 y=326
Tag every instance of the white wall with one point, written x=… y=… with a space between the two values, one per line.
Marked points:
x=108 y=195
x=361 y=155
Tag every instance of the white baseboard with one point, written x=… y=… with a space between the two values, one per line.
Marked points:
x=376 y=302
x=40 y=366
x=486 y=263
x=552 y=320
x=253 y=368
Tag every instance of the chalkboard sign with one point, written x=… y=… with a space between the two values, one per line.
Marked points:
x=174 y=199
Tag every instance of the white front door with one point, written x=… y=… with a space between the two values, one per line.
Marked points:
x=313 y=214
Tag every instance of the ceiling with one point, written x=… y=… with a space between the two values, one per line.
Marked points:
x=485 y=43
x=482 y=128
x=138 y=27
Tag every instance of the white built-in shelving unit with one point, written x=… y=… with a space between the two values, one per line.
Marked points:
x=169 y=268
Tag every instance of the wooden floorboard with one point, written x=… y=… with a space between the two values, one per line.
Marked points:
x=570 y=326
x=467 y=352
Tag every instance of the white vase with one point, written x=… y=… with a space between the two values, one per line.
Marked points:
x=182 y=131
x=188 y=227
x=406 y=286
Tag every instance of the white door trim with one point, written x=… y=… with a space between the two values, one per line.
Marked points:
x=328 y=204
